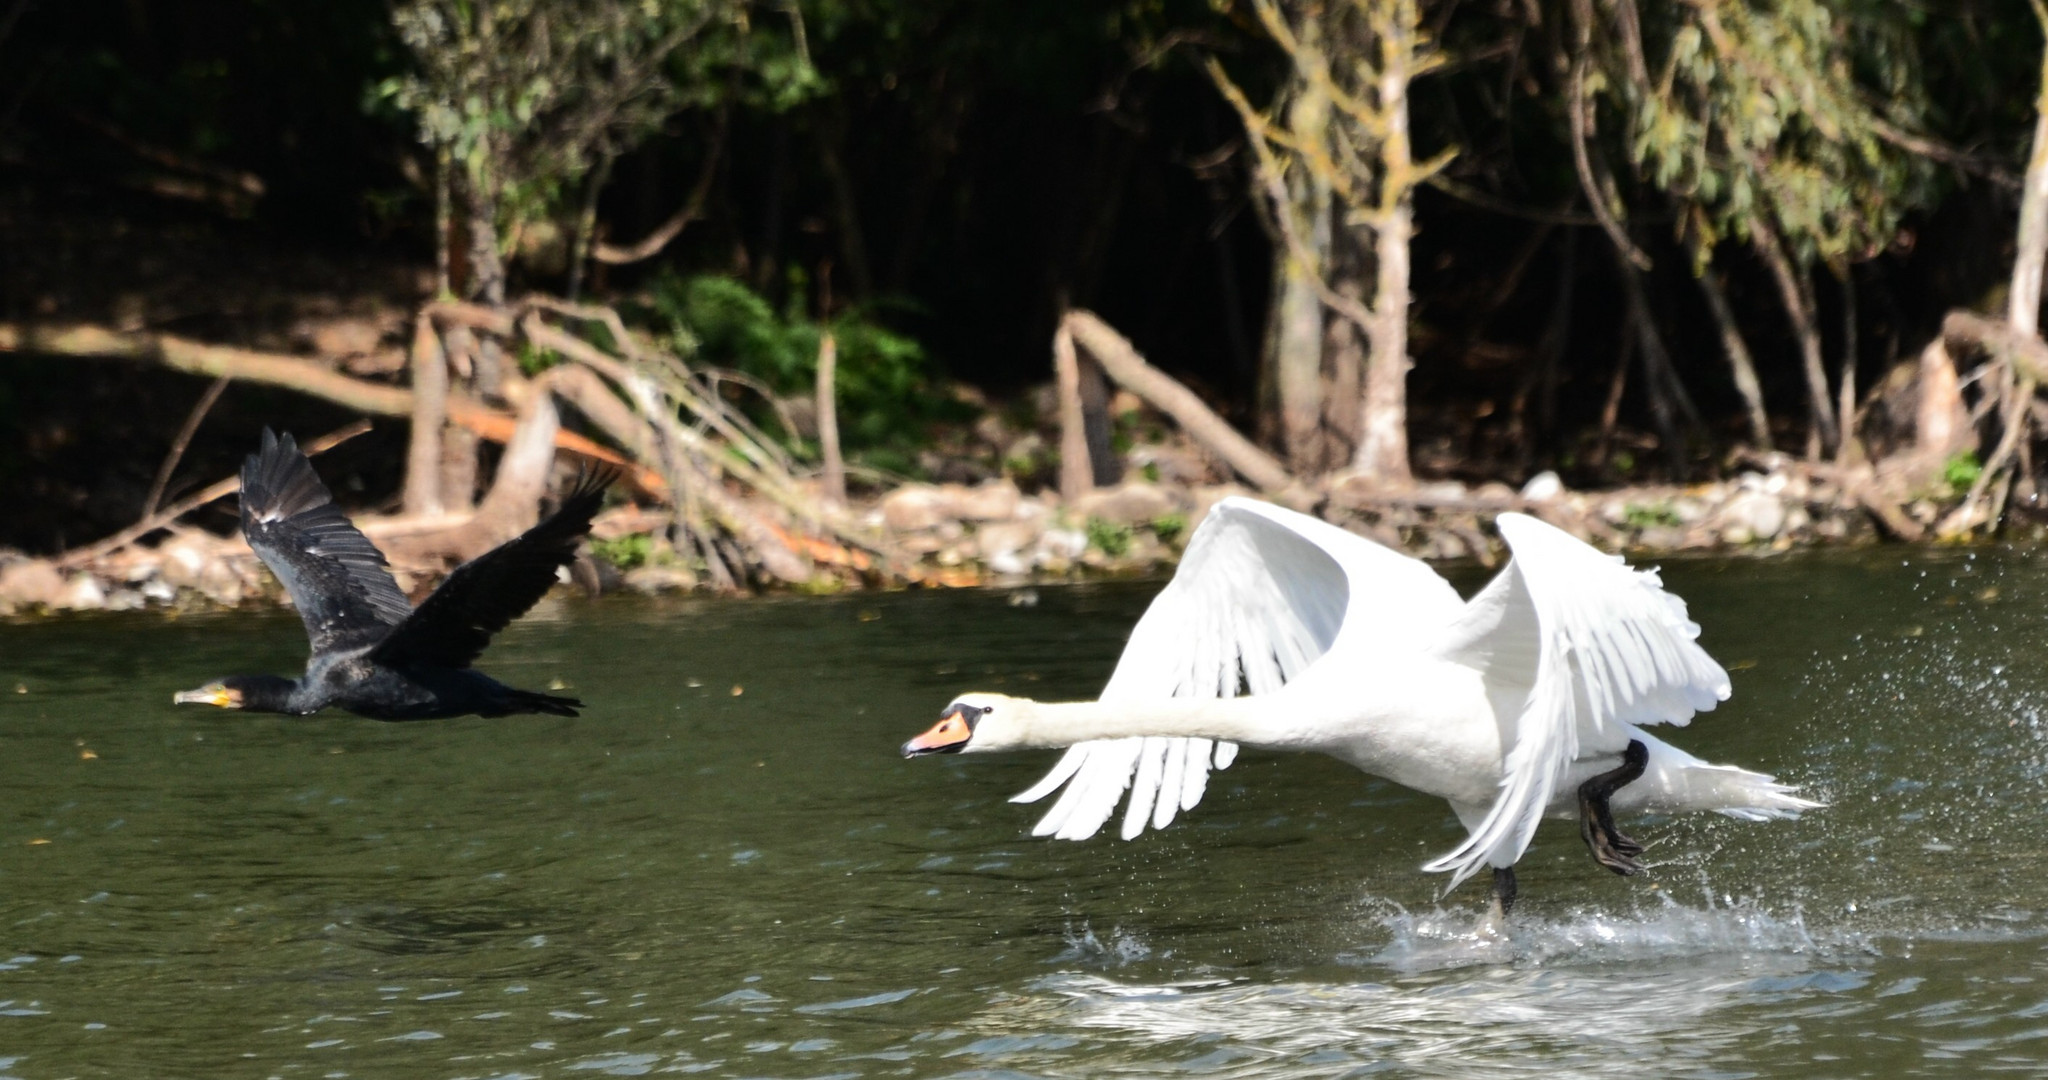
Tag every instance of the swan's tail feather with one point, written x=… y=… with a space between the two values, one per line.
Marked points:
x=1673 y=782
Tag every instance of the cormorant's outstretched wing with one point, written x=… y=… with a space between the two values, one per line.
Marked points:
x=454 y=623
x=335 y=576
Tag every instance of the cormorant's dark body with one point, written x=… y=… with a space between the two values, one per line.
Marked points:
x=373 y=653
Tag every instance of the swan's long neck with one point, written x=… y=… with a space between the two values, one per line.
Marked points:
x=1248 y=720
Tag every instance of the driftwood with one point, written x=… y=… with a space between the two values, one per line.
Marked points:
x=151 y=522
x=1123 y=364
x=833 y=479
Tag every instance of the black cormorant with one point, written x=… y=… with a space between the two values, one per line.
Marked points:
x=374 y=654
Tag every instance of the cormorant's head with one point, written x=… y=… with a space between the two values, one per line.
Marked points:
x=971 y=722
x=263 y=693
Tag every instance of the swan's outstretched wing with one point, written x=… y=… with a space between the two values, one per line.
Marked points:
x=1260 y=594
x=1573 y=645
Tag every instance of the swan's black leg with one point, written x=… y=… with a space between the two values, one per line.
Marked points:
x=1503 y=890
x=1596 y=822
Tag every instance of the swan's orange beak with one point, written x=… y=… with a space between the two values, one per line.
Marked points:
x=948 y=736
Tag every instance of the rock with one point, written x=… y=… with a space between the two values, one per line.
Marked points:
x=184 y=558
x=994 y=500
x=1757 y=515
x=914 y=508
x=652 y=579
x=221 y=583
x=126 y=600
x=1007 y=538
x=1661 y=538
x=1442 y=492
x=1134 y=503
x=82 y=593
x=1543 y=486
x=1063 y=543
x=917 y=507
x=919 y=544
x=31 y=582
x=1008 y=564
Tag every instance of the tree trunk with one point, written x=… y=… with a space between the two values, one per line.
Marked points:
x=1383 y=420
x=429 y=417
x=586 y=226
x=2024 y=311
x=1298 y=355
x=1123 y=363
x=444 y=225
x=833 y=480
x=1077 y=476
x=1805 y=327
x=1849 y=449
x=1345 y=351
x=1660 y=379
x=1740 y=364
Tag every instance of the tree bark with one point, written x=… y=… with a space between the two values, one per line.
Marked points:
x=1130 y=370
x=1795 y=297
x=1298 y=352
x=1383 y=419
x=1741 y=364
x=833 y=479
x=1077 y=476
x=1849 y=449
x=429 y=417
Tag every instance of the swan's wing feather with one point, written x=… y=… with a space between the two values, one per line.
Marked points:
x=1574 y=647
x=1261 y=593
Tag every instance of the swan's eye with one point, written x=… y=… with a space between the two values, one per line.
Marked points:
x=987 y=710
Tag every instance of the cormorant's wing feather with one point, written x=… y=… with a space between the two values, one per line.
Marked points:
x=335 y=576
x=455 y=622
x=1574 y=646
x=1261 y=593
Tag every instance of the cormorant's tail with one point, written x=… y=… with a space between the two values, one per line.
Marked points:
x=526 y=701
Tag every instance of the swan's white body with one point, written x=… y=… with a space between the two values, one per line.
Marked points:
x=1502 y=704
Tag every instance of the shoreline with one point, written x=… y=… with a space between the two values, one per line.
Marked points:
x=995 y=534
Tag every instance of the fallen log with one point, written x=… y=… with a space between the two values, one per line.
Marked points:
x=1123 y=363
x=305 y=376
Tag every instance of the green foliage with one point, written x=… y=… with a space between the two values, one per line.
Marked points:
x=626 y=552
x=1794 y=112
x=1960 y=472
x=1169 y=527
x=1648 y=515
x=521 y=97
x=883 y=383
x=1110 y=538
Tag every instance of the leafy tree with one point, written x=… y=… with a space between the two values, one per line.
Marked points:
x=521 y=98
x=1788 y=125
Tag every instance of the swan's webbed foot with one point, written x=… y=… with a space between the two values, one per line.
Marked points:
x=1504 y=891
x=1610 y=848
x=1493 y=926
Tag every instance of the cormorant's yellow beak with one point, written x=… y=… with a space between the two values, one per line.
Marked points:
x=948 y=736
x=213 y=694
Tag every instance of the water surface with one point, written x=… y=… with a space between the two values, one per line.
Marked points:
x=723 y=868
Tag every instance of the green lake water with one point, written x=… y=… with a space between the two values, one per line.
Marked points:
x=723 y=868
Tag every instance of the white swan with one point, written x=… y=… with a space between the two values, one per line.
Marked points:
x=1521 y=702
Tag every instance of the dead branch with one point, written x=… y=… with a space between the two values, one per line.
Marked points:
x=833 y=480
x=79 y=556
x=191 y=427
x=1123 y=363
